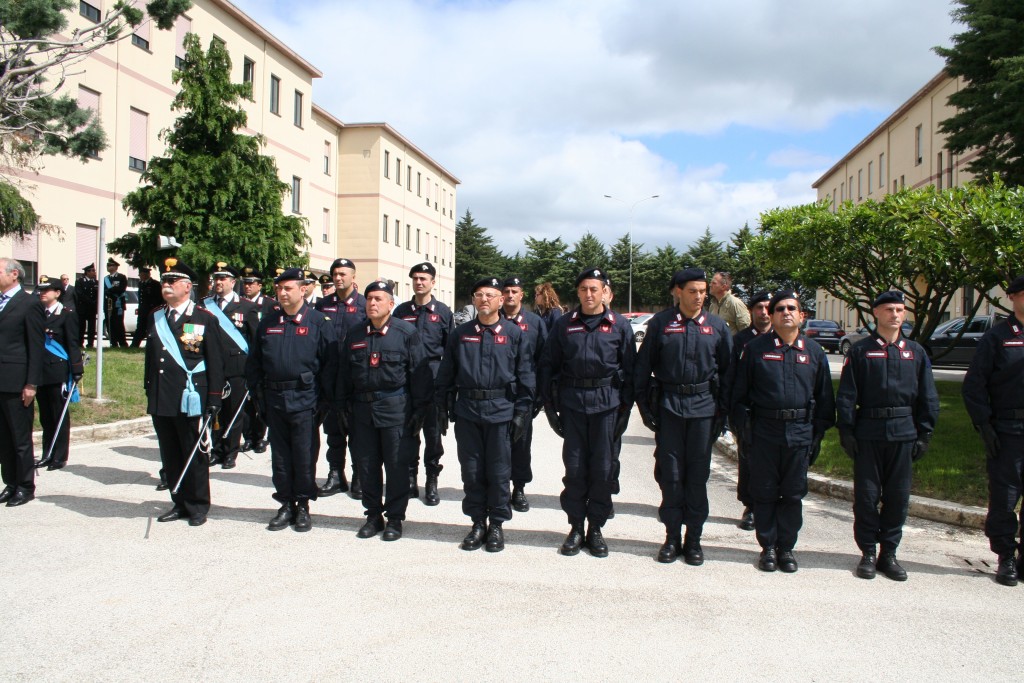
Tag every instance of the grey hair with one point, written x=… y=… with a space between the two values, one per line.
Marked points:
x=10 y=266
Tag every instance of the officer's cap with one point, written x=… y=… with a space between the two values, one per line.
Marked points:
x=491 y=282
x=112 y=262
x=889 y=297
x=512 y=282
x=46 y=282
x=289 y=274
x=88 y=268
x=222 y=269
x=250 y=274
x=681 y=277
x=425 y=267
x=175 y=269
x=758 y=298
x=591 y=274
x=342 y=263
x=326 y=281
x=310 y=277
x=1016 y=286
x=144 y=269
x=378 y=286
x=782 y=295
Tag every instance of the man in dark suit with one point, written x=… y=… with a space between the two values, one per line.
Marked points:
x=61 y=362
x=21 y=365
x=184 y=380
x=115 y=285
x=67 y=294
x=149 y=298
x=87 y=290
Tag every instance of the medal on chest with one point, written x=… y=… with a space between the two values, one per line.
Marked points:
x=192 y=336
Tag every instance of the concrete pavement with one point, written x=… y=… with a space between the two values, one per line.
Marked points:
x=98 y=590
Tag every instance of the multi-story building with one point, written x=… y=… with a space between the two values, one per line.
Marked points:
x=342 y=175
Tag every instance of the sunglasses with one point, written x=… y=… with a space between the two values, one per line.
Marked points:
x=786 y=308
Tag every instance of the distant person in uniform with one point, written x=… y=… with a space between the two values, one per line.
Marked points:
x=115 y=285
x=149 y=298
x=87 y=290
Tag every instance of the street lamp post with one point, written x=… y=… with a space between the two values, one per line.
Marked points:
x=629 y=232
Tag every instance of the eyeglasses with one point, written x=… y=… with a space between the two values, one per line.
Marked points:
x=786 y=308
x=480 y=296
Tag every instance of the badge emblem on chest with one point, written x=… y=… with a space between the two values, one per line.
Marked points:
x=375 y=359
x=500 y=339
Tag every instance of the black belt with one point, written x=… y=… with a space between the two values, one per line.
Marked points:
x=483 y=394
x=586 y=382
x=371 y=396
x=880 y=413
x=1011 y=414
x=686 y=389
x=290 y=384
x=792 y=414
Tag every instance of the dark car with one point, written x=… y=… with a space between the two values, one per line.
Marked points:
x=944 y=348
x=861 y=332
x=827 y=333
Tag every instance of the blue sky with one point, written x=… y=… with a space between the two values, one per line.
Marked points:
x=541 y=107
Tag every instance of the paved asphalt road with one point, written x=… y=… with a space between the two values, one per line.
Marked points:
x=97 y=590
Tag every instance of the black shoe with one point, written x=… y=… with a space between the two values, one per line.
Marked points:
x=519 y=502
x=6 y=494
x=246 y=445
x=596 y=543
x=172 y=515
x=475 y=538
x=1007 y=573
x=216 y=459
x=43 y=463
x=414 y=489
x=228 y=464
x=332 y=485
x=285 y=517
x=574 y=541
x=259 y=447
x=197 y=519
x=343 y=484
x=495 y=539
x=374 y=525
x=670 y=550
x=303 y=522
x=747 y=521
x=163 y=485
x=56 y=466
x=787 y=561
x=767 y=563
x=866 y=566
x=692 y=553
x=356 y=489
x=888 y=565
x=20 y=498
x=393 y=530
x=430 y=496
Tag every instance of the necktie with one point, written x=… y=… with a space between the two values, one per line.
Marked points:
x=173 y=316
x=3 y=301
x=48 y=313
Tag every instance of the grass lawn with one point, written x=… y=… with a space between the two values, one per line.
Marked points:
x=953 y=468
x=124 y=396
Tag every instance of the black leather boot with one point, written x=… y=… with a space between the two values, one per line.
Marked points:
x=303 y=522
x=475 y=538
x=866 y=566
x=495 y=539
x=671 y=549
x=519 y=502
x=596 y=543
x=414 y=489
x=356 y=489
x=332 y=485
x=574 y=541
x=285 y=517
x=430 y=496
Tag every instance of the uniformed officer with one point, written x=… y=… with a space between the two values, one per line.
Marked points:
x=486 y=381
x=587 y=378
x=62 y=369
x=536 y=331
x=689 y=352
x=238 y=318
x=760 y=323
x=886 y=408
x=115 y=285
x=310 y=287
x=783 y=393
x=184 y=382
x=326 y=285
x=293 y=354
x=434 y=322
x=149 y=298
x=346 y=309
x=994 y=400
x=255 y=429
x=384 y=388
x=87 y=290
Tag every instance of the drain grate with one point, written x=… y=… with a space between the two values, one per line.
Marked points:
x=977 y=566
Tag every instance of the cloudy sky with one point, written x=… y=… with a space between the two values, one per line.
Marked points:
x=541 y=107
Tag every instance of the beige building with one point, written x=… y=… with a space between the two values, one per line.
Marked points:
x=343 y=176
x=905 y=150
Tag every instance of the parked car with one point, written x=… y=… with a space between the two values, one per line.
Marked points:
x=639 y=325
x=861 y=332
x=131 y=321
x=828 y=333
x=632 y=315
x=944 y=347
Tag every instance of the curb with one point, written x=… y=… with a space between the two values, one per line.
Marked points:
x=969 y=516
x=104 y=432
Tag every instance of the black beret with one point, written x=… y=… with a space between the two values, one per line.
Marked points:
x=512 y=282
x=175 y=269
x=591 y=274
x=782 y=295
x=342 y=263
x=289 y=274
x=758 y=298
x=1016 y=286
x=378 y=286
x=222 y=269
x=492 y=282
x=889 y=297
x=325 y=281
x=681 y=277
x=250 y=274
x=46 y=282
x=425 y=267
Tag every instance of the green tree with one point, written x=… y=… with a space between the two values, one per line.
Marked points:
x=623 y=270
x=547 y=261
x=989 y=55
x=588 y=252
x=214 y=192
x=476 y=256
x=707 y=253
x=36 y=56
x=651 y=284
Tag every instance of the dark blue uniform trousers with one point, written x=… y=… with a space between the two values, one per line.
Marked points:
x=683 y=455
x=743 y=476
x=522 y=470
x=336 y=441
x=292 y=459
x=486 y=458
x=226 y=445
x=176 y=437
x=778 y=484
x=381 y=459
x=1005 y=487
x=881 y=474
x=588 y=453
x=16 y=451
x=432 y=447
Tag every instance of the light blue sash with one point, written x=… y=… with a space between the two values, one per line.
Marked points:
x=190 y=402
x=56 y=349
x=226 y=324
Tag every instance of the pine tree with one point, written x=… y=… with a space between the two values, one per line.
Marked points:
x=476 y=256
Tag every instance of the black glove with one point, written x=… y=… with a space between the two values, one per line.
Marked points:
x=554 y=420
x=442 y=421
x=648 y=418
x=920 y=446
x=344 y=419
x=76 y=378
x=416 y=421
x=991 y=439
x=848 y=443
x=322 y=409
x=621 y=422
x=717 y=427
x=210 y=415
x=815 y=450
x=519 y=425
x=537 y=407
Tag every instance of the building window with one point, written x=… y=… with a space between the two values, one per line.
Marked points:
x=871 y=175
x=860 y=184
x=426 y=249
x=398 y=226
x=275 y=94
x=182 y=27
x=842 y=192
x=444 y=202
x=419 y=184
x=296 y=194
x=327 y=158
x=138 y=127
x=895 y=187
x=408 y=177
x=442 y=252
x=89 y=11
x=435 y=248
x=89 y=99
x=298 y=109
x=327 y=226
x=387 y=163
x=384 y=229
x=938 y=166
x=248 y=71
x=949 y=170
x=428 y=194
x=140 y=34
x=139 y=41
x=903 y=181
x=918 y=146
x=398 y=171
x=417 y=240
x=408 y=237
x=881 y=170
